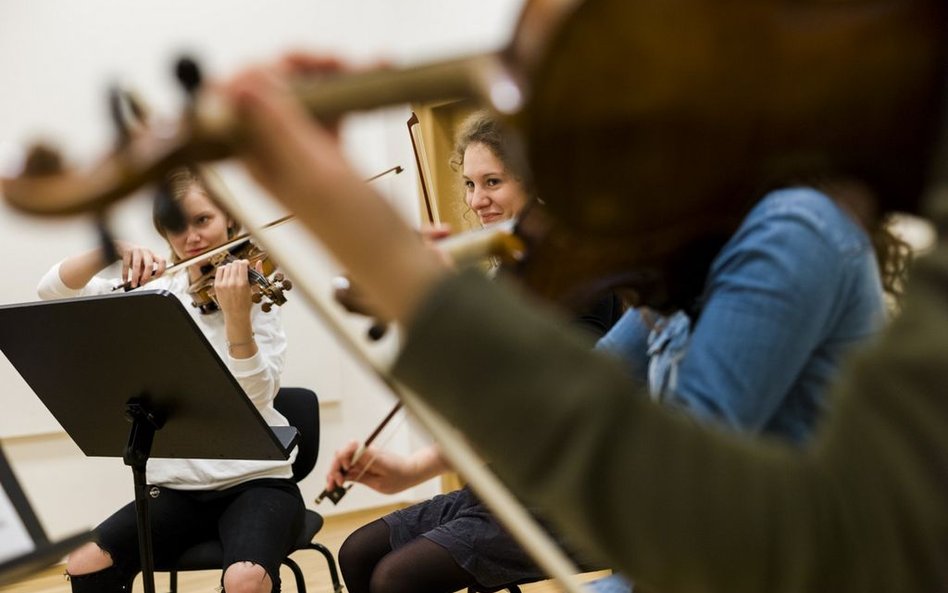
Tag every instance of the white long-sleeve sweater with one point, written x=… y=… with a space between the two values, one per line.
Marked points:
x=259 y=376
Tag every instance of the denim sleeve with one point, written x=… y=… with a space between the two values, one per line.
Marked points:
x=627 y=340
x=682 y=508
x=770 y=294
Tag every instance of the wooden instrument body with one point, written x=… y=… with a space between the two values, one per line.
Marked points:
x=653 y=126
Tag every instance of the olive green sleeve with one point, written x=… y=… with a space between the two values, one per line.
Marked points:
x=678 y=506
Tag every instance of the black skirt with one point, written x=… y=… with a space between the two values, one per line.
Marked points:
x=460 y=523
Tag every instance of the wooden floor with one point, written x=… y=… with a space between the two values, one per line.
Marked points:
x=314 y=567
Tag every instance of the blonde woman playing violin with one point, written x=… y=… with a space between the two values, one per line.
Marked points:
x=253 y=507
x=451 y=541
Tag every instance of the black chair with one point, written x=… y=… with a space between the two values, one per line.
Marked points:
x=301 y=407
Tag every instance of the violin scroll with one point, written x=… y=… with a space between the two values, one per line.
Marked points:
x=210 y=130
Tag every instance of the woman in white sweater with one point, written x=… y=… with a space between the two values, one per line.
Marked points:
x=253 y=507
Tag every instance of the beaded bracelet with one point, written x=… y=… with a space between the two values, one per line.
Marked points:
x=247 y=343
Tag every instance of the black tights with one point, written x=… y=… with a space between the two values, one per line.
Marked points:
x=369 y=565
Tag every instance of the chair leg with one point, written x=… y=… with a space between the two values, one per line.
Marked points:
x=331 y=562
x=173 y=581
x=297 y=574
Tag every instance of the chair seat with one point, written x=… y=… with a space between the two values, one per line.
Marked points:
x=301 y=409
x=312 y=523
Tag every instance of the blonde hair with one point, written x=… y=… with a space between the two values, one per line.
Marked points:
x=166 y=212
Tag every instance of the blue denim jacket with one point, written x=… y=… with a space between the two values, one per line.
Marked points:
x=793 y=291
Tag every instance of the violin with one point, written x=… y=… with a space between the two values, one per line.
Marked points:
x=267 y=292
x=240 y=247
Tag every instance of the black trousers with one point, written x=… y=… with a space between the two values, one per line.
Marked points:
x=257 y=521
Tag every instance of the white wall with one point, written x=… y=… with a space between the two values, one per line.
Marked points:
x=56 y=61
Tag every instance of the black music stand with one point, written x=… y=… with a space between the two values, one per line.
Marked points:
x=100 y=362
x=24 y=547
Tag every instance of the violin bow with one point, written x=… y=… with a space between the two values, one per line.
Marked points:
x=378 y=329
x=336 y=494
x=508 y=510
x=243 y=237
x=416 y=148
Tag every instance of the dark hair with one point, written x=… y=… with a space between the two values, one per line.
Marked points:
x=893 y=254
x=481 y=127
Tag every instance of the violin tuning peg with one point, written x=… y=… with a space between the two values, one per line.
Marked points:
x=256 y=297
x=266 y=306
x=278 y=277
x=41 y=160
x=107 y=240
x=127 y=111
x=377 y=331
x=286 y=284
x=136 y=106
x=188 y=74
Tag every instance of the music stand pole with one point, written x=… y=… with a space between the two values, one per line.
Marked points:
x=140 y=437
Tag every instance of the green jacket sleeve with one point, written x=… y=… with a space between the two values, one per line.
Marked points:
x=678 y=506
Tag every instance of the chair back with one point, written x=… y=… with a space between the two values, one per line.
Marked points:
x=301 y=407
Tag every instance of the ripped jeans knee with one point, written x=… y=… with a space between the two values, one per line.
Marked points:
x=245 y=576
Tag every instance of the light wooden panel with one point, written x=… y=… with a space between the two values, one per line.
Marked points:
x=434 y=139
x=438 y=123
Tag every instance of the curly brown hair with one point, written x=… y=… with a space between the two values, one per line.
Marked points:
x=893 y=254
x=481 y=127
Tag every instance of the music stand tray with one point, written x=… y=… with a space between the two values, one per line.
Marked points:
x=100 y=362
